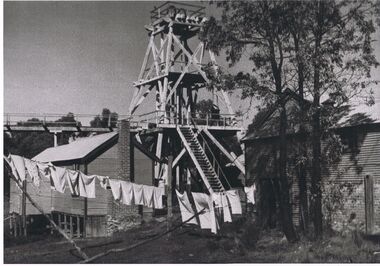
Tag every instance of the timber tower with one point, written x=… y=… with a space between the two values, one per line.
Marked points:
x=191 y=148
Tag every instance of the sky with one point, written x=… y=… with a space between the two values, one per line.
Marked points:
x=78 y=57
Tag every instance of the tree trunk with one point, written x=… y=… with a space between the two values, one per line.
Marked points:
x=302 y=173
x=316 y=179
x=285 y=206
x=302 y=185
x=302 y=181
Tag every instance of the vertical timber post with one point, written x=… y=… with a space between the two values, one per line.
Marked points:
x=85 y=208
x=177 y=178
x=78 y=226
x=188 y=181
x=65 y=222
x=71 y=227
x=55 y=139
x=168 y=186
x=369 y=208
x=24 y=209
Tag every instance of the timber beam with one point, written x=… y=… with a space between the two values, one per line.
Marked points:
x=149 y=154
x=231 y=157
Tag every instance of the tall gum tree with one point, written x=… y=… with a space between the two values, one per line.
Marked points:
x=259 y=30
x=339 y=38
x=321 y=49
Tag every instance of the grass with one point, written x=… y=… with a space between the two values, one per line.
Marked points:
x=239 y=242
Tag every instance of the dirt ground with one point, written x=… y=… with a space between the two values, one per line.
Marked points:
x=240 y=242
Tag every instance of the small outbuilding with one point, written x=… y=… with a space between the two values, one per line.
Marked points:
x=111 y=154
x=354 y=179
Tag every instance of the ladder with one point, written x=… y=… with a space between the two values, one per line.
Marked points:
x=202 y=163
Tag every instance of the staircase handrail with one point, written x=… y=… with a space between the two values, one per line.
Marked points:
x=207 y=184
x=220 y=170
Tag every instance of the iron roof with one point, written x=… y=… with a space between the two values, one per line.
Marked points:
x=82 y=150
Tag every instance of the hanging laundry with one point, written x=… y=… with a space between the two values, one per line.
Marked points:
x=226 y=209
x=138 y=194
x=44 y=170
x=58 y=178
x=13 y=168
x=185 y=208
x=207 y=219
x=126 y=192
x=11 y=165
x=115 y=185
x=73 y=181
x=164 y=173
x=148 y=196
x=250 y=192
x=158 y=193
x=234 y=199
x=87 y=185
x=103 y=181
x=217 y=198
x=18 y=166
x=33 y=171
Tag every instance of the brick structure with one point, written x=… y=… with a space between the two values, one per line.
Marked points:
x=123 y=150
x=119 y=216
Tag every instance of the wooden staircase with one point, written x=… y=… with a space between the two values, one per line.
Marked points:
x=202 y=163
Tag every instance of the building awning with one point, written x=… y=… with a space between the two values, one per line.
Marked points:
x=80 y=151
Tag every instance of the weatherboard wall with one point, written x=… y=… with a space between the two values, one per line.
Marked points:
x=50 y=200
x=360 y=156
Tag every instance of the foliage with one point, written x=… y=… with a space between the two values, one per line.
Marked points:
x=204 y=107
x=334 y=197
x=29 y=144
x=67 y=120
x=106 y=119
x=320 y=50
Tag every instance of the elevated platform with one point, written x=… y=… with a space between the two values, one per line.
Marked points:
x=159 y=119
x=80 y=123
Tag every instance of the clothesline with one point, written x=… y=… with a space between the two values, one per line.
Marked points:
x=83 y=185
x=125 y=192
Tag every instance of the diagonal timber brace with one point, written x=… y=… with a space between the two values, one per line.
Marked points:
x=231 y=157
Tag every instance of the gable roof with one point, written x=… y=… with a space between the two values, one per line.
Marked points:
x=80 y=151
x=261 y=125
x=354 y=115
x=367 y=112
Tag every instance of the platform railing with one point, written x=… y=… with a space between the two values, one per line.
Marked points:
x=202 y=119
x=164 y=9
x=68 y=119
x=110 y=121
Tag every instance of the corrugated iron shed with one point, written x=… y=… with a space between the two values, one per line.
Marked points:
x=81 y=151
